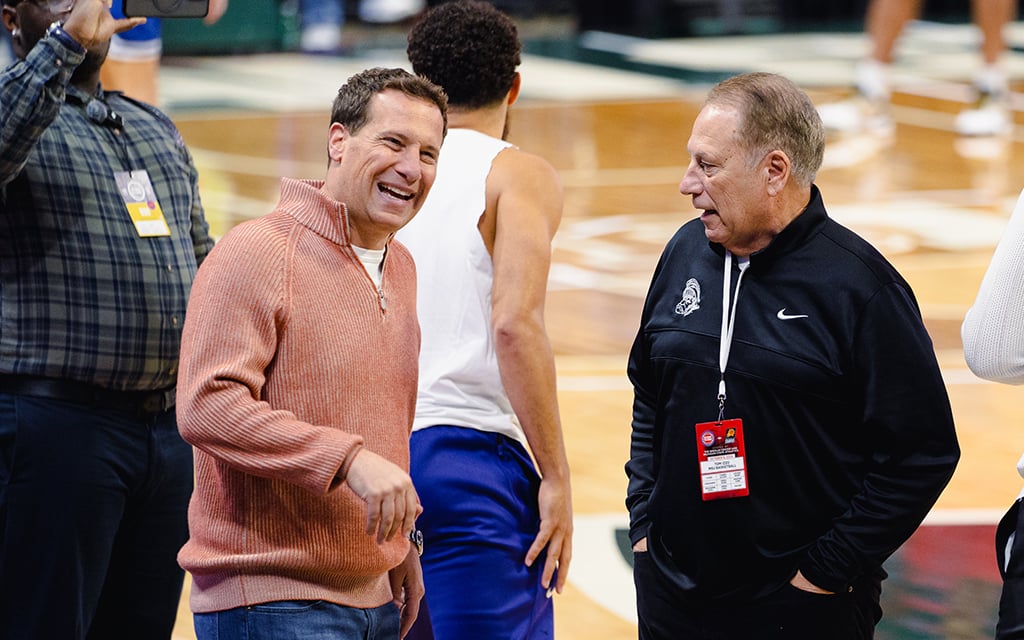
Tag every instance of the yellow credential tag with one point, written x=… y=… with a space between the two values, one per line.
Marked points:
x=139 y=198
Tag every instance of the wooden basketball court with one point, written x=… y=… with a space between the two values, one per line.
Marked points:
x=933 y=203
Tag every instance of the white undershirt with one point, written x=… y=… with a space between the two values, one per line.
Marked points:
x=372 y=260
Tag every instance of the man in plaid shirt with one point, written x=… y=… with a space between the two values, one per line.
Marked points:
x=102 y=231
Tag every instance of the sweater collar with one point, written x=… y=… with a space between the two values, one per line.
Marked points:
x=306 y=201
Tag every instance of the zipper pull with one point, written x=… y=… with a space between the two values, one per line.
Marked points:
x=383 y=302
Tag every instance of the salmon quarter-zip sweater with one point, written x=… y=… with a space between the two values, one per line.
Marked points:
x=292 y=362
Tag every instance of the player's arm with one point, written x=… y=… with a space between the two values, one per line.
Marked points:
x=526 y=196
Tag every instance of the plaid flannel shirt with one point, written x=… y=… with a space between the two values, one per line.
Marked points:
x=82 y=295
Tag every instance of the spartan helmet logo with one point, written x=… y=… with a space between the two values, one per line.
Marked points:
x=691 y=298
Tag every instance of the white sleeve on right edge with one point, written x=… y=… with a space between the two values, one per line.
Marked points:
x=993 y=330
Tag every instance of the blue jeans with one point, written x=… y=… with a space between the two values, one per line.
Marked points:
x=299 y=620
x=92 y=515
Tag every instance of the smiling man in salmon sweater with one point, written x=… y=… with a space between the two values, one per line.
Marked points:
x=298 y=387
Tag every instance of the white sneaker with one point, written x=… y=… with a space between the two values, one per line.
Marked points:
x=990 y=116
x=389 y=11
x=857 y=115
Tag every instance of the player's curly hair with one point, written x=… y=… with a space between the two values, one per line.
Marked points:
x=469 y=48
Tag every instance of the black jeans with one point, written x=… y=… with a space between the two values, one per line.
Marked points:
x=92 y=514
x=786 y=614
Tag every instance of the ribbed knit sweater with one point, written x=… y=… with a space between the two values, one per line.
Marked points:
x=292 y=361
x=993 y=330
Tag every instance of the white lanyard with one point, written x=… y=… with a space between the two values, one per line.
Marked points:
x=728 y=322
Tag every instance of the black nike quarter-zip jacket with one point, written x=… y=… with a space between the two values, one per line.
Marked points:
x=848 y=429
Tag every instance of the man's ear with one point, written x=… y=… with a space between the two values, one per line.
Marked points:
x=337 y=136
x=10 y=18
x=513 y=93
x=778 y=166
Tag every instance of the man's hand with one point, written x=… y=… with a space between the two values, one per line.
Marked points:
x=407 y=589
x=555 y=532
x=216 y=10
x=391 y=501
x=90 y=22
x=803 y=584
x=640 y=546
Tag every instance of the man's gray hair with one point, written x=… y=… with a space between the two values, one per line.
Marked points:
x=775 y=114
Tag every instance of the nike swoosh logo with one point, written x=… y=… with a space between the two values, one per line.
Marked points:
x=782 y=315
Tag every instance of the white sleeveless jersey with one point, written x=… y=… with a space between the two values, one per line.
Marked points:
x=459 y=381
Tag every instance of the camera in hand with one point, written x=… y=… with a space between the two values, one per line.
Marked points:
x=165 y=8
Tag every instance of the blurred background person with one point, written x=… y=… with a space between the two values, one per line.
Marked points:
x=884 y=23
x=133 y=62
x=322 y=21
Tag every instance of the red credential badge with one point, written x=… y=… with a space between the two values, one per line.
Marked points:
x=722 y=458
